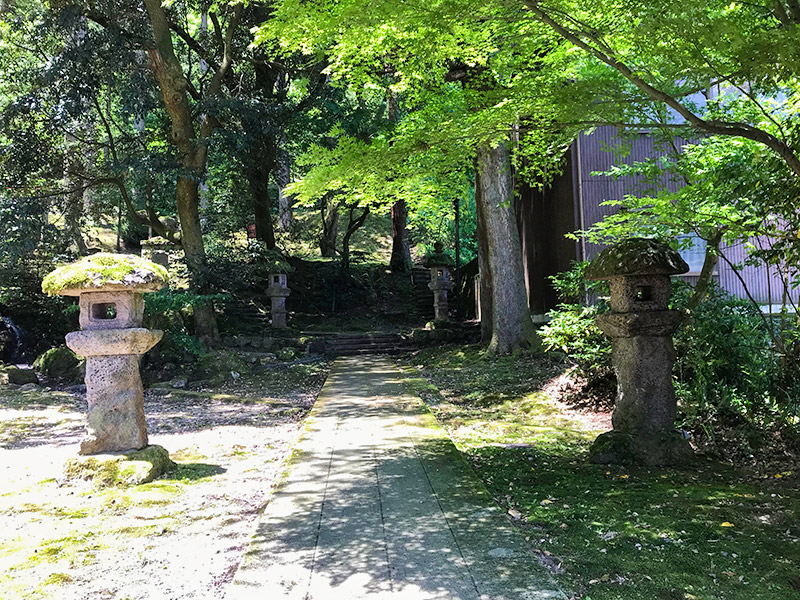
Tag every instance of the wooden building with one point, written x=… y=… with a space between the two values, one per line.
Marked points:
x=573 y=202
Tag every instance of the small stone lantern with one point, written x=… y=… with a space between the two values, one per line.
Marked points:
x=641 y=327
x=439 y=263
x=156 y=249
x=278 y=291
x=110 y=288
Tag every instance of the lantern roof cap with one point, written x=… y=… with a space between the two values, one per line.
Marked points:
x=106 y=272
x=636 y=256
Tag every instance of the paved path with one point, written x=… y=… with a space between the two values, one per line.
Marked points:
x=378 y=504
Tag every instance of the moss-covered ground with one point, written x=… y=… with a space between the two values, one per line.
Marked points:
x=180 y=536
x=709 y=531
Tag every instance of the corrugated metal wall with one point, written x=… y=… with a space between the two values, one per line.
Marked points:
x=594 y=154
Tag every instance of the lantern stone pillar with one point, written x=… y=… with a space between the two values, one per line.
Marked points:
x=439 y=263
x=640 y=326
x=110 y=288
x=278 y=291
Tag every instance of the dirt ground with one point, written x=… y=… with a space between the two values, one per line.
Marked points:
x=179 y=537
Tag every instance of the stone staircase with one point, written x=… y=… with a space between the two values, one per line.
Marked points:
x=354 y=344
x=423 y=296
x=248 y=314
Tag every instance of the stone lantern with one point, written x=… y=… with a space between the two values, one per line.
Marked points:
x=439 y=263
x=110 y=288
x=156 y=249
x=641 y=327
x=278 y=291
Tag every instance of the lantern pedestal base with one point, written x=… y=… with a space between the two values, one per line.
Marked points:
x=652 y=448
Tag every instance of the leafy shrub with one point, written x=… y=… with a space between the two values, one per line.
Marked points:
x=252 y=264
x=166 y=310
x=572 y=330
x=724 y=361
x=572 y=326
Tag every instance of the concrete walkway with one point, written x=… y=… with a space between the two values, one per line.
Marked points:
x=377 y=503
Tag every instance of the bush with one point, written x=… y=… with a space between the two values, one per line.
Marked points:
x=724 y=361
x=168 y=311
x=572 y=326
x=572 y=330
x=252 y=264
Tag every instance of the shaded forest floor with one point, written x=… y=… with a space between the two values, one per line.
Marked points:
x=706 y=531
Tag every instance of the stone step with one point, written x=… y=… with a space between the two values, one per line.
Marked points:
x=366 y=338
x=366 y=351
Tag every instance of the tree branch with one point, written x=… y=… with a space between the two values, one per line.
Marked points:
x=711 y=126
x=194 y=45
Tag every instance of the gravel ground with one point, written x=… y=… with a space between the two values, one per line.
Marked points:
x=180 y=537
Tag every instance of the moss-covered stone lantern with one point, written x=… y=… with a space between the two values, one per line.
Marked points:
x=278 y=291
x=439 y=262
x=641 y=327
x=110 y=288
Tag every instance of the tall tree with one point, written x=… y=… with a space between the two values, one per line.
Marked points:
x=450 y=123
x=511 y=325
x=192 y=142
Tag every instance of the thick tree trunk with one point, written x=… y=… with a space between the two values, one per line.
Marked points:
x=401 y=250
x=512 y=327
x=261 y=164
x=283 y=176
x=330 y=227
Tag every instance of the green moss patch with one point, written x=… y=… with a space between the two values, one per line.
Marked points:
x=131 y=468
x=103 y=269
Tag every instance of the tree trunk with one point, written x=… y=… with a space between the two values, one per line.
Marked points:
x=707 y=272
x=512 y=327
x=283 y=176
x=401 y=251
x=330 y=227
x=192 y=149
x=484 y=271
x=188 y=198
x=353 y=225
x=261 y=164
x=73 y=192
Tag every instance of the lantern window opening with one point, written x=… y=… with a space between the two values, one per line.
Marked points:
x=103 y=311
x=643 y=293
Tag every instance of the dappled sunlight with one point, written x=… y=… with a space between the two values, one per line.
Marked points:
x=379 y=503
x=620 y=531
